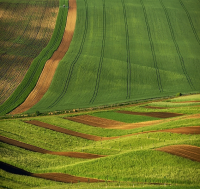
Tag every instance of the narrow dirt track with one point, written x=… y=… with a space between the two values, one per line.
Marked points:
x=186 y=151
x=95 y=121
x=66 y=131
x=51 y=65
x=61 y=177
x=43 y=151
x=152 y=114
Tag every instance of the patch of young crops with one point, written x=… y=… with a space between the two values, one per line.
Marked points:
x=37 y=65
x=74 y=126
x=195 y=97
x=34 y=162
x=124 y=117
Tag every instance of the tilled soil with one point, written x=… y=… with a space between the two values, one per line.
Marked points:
x=61 y=177
x=66 y=131
x=95 y=121
x=43 y=151
x=152 y=114
x=186 y=151
x=51 y=65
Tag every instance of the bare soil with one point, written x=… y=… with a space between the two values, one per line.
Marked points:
x=95 y=121
x=186 y=151
x=66 y=131
x=152 y=114
x=51 y=65
x=60 y=177
x=43 y=151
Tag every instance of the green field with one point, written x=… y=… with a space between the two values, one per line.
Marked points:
x=136 y=53
x=127 y=50
x=131 y=160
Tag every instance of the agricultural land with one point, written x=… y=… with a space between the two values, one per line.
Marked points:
x=99 y=94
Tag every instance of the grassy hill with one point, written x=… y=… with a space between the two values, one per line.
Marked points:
x=127 y=50
x=131 y=161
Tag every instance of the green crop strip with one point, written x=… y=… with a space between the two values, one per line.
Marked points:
x=152 y=47
x=74 y=61
x=34 y=71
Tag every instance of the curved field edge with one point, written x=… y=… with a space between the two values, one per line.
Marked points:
x=76 y=80
x=32 y=76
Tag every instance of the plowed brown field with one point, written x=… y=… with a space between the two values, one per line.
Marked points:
x=186 y=151
x=51 y=65
x=95 y=121
x=43 y=151
x=61 y=177
x=152 y=114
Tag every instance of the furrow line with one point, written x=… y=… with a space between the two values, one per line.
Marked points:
x=101 y=57
x=74 y=61
x=128 y=53
x=190 y=21
x=176 y=46
x=152 y=47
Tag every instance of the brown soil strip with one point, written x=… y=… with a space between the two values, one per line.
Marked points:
x=51 y=65
x=186 y=151
x=183 y=130
x=95 y=121
x=152 y=114
x=43 y=151
x=60 y=177
x=66 y=131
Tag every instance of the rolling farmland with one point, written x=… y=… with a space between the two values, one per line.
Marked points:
x=43 y=150
x=100 y=53
x=26 y=28
x=127 y=50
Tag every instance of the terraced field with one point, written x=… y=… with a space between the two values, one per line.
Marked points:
x=26 y=28
x=71 y=148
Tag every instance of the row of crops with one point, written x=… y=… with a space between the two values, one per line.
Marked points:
x=37 y=65
x=131 y=161
x=126 y=50
x=26 y=28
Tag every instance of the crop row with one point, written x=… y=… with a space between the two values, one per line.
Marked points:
x=36 y=67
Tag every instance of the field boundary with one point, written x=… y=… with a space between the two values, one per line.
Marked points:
x=43 y=151
x=73 y=62
x=48 y=72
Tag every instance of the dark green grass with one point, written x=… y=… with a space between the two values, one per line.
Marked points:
x=126 y=118
x=127 y=50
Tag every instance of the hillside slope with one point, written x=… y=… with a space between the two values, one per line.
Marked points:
x=125 y=50
x=25 y=29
